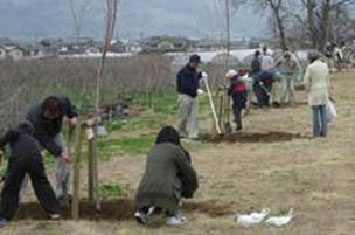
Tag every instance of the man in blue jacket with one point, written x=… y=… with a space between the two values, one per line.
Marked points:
x=47 y=119
x=188 y=88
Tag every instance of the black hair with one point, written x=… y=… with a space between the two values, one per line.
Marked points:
x=26 y=127
x=168 y=134
x=52 y=105
x=195 y=59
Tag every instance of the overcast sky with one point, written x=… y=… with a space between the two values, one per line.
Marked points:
x=41 y=18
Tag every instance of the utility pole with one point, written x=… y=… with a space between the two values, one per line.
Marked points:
x=227 y=18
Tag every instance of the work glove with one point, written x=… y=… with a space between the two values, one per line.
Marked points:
x=204 y=76
x=200 y=92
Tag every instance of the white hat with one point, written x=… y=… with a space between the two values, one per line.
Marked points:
x=231 y=73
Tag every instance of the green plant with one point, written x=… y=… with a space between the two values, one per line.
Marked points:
x=110 y=189
x=134 y=145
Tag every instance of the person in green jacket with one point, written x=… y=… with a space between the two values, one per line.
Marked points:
x=169 y=176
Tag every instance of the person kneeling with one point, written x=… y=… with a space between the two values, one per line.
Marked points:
x=26 y=159
x=169 y=176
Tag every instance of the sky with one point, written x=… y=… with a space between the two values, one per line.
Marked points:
x=137 y=18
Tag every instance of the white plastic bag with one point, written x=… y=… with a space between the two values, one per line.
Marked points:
x=253 y=219
x=279 y=221
x=331 y=112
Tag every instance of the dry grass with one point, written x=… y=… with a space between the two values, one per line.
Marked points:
x=316 y=177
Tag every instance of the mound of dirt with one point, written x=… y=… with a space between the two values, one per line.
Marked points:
x=277 y=105
x=245 y=137
x=119 y=210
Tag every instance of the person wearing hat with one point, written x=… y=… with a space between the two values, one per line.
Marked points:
x=238 y=91
x=188 y=88
x=288 y=68
x=318 y=89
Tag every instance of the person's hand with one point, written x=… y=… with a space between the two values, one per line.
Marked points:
x=200 y=92
x=65 y=155
x=204 y=76
x=72 y=123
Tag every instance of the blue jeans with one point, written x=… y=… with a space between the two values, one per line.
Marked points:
x=320 y=122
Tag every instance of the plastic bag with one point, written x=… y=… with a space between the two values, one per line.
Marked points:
x=331 y=112
x=279 y=221
x=253 y=219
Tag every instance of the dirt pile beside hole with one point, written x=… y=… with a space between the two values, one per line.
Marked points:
x=245 y=137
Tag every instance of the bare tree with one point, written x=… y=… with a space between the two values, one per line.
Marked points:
x=78 y=9
x=320 y=19
x=277 y=8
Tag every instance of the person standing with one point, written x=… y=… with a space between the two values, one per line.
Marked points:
x=318 y=88
x=188 y=88
x=288 y=69
x=47 y=119
x=169 y=177
x=238 y=91
x=255 y=67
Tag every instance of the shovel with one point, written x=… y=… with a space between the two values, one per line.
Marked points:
x=213 y=108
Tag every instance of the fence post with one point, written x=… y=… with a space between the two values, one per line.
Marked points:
x=76 y=166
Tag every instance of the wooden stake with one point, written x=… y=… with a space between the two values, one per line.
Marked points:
x=91 y=175
x=78 y=148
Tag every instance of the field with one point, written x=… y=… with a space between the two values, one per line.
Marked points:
x=316 y=177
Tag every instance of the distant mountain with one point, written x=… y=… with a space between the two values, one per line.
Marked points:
x=40 y=18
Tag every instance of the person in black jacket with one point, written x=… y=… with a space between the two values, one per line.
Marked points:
x=47 y=119
x=26 y=159
x=188 y=88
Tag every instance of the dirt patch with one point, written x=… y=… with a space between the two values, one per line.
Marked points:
x=300 y=87
x=245 y=137
x=120 y=210
x=277 y=105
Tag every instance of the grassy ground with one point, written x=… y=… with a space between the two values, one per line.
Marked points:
x=314 y=176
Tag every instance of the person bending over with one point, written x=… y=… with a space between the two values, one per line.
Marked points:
x=47 y=119
x=26 y=159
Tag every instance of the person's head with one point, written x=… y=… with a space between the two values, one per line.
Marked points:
x=264 y=50
x=313 y=56
x=168 y=134
x=26 y=127
x=231 y=73
x=51 y=107
x=194 y=61
x=287 y=55
x=257 y=53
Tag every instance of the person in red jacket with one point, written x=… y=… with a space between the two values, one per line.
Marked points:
x=238 y=91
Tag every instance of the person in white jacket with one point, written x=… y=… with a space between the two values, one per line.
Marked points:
x=318 y=88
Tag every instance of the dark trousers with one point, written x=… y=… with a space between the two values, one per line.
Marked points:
x=238 y=118
x=11 y=191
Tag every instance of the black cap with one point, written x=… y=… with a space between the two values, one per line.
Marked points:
x=195 y=59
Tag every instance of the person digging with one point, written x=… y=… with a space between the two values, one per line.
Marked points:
x=26 y=159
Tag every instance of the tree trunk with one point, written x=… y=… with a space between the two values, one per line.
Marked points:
x=281 y=28
x=310 y=22
x=326 y=22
